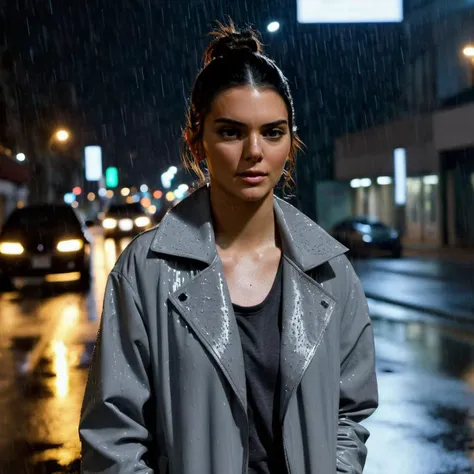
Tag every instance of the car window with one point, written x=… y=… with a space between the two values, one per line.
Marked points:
x=375 y=225
x=125 y=209
x=378 y=225
x=345 y=225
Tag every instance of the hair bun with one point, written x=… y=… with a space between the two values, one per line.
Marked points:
x=227 y=40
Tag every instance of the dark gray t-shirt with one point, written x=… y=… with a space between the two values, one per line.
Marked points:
x=260 y=333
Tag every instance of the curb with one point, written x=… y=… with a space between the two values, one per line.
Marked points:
x=459 y=318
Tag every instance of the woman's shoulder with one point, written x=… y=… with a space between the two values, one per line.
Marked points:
x=133 y=258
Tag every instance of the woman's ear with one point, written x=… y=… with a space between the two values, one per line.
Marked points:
x=195 y=145
x=198 y=152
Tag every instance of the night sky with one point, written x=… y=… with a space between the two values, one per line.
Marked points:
x=133 y=63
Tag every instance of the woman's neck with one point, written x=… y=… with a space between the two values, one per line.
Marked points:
x=242 y=226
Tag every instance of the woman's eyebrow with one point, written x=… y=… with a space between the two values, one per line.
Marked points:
x=240 y=124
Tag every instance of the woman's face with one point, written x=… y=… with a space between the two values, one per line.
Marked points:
x=246 y=140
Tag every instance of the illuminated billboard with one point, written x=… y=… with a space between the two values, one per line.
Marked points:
x=350 y=11
x=93 y=163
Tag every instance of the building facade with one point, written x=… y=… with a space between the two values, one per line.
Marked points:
x=13 y=184
x=14 y=175
x=436 y=130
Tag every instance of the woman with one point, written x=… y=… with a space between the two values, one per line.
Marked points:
x=235 y=337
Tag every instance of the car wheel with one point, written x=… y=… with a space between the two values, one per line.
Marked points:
x=397 y=253
x=6 y=284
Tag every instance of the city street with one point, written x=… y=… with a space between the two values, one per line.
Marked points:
x=358 y=113
x=425 y=362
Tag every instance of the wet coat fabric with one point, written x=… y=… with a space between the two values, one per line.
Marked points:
x=166 y=390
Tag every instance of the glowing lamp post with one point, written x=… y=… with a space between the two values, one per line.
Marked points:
x=468 y=53
x=62 y=135
x=273 y=27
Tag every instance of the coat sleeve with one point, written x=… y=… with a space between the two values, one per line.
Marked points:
x=358 y=384
x=113 y=429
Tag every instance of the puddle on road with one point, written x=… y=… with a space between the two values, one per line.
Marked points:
x=46 y=440
x=425 y=420
x=442 y=351
x=460 y=435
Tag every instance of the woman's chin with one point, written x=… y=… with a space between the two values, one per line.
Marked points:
x=254 y=193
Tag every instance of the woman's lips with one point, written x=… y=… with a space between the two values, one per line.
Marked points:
x=253 y=178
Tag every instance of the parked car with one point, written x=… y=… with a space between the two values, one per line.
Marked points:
x=125 y=220
x=365 y=237
x=45 y=243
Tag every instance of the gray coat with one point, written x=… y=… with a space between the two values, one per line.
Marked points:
x=166 y=390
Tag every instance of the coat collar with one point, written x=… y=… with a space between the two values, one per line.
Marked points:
x=187 y=232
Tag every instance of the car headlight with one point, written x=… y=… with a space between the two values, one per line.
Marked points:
x=367 y=238
x=126 y=224
x=71 y=245
x=109 y=223
x=394 y=234
x=11 y=248
x=142 y=221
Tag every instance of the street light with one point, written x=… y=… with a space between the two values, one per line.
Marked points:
x=468 y=52
x=273 y=26
x=62 y=135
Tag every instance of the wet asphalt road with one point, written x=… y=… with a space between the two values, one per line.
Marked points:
x=424 y=425
x=444 y=287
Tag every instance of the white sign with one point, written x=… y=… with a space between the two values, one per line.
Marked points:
x=93 y=162
x=400 y=172
x=350 y=11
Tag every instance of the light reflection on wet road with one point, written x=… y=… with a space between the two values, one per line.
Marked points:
x=426 y=376
x=40 y=409
x=425 y=422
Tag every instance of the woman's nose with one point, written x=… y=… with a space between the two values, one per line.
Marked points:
x=254 y=150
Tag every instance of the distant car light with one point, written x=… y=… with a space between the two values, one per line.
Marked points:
x=367 y=238
x=71 y=245
x=142 y=221
x=126 y=224
x=109 y=223
x=363 y=228
x=11 y=248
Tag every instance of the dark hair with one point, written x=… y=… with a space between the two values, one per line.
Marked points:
x=233 y=58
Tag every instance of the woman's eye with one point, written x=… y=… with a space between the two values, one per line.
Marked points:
x=229 y=133
x=275 y=133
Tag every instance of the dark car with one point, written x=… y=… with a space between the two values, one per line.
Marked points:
x=125 y=220
x=366 y=237
x=45 y=244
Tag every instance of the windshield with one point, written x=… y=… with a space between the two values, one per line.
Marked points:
x=125 y=209
x=39 y=218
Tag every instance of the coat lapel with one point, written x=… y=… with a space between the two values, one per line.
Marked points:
x=307 y=309
x=206 y=306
